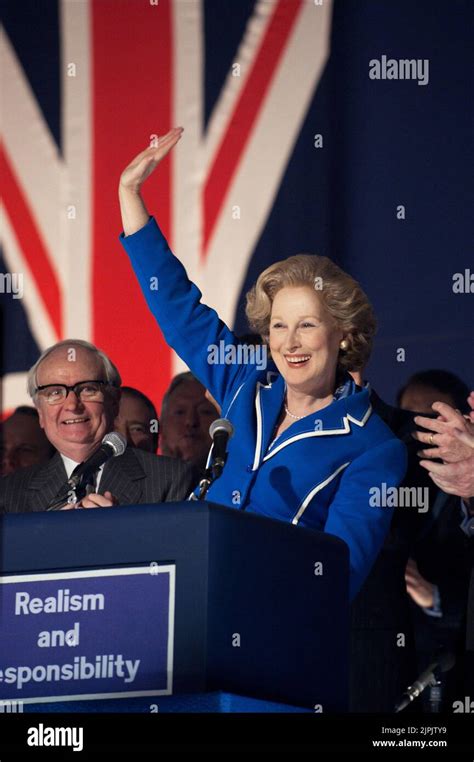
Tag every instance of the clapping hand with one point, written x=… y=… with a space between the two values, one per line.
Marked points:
x=451 y=439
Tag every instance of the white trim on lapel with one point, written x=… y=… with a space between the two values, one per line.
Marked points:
x=258 y=410
x=315 y=490
x=209 y=455
x=233 y=399
x=361 y=421
x=322 y=432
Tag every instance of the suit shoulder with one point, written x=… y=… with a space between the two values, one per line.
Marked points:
x=401 y=422
x=21 y=476
x=380 y=429
x=176 y=477
x=151 y=462
x=14 y=488
x=380 y=441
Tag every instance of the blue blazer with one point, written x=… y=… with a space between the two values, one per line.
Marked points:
x=318 y=473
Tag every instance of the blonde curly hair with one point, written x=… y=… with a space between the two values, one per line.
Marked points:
x=341 y=295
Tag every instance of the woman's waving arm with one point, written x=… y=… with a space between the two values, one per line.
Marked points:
x=133 y=210
x=190 y=327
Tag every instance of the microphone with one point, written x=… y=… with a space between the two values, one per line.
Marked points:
x=221 y=431
x=112 y=444
x=443 y=663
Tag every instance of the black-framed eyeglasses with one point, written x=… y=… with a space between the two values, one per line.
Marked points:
x=86 y=391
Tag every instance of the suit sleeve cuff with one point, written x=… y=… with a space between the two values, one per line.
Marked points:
x=435 y=610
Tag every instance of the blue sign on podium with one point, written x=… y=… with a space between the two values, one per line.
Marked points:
x=100 y=633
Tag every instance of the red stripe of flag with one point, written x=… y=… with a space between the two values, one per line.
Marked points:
x=31 y=242
x=132 y=78
x=246 y=111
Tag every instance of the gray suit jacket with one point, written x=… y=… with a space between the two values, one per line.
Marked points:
x=134 y=477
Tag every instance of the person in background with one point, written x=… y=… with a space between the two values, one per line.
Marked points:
x=137 y=420
x=418 y=395
x=186 y=414
x=437 y=573
x=428 y=386
x=22 y=440
x=450 y=438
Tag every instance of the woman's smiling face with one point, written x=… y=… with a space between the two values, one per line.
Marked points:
x=304 y=340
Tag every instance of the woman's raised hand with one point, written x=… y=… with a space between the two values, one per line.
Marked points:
x=142 y=166
x=133 y=210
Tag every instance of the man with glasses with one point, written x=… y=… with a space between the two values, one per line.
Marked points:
x=76 y=390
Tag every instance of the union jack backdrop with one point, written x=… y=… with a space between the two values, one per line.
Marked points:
x=290 y=145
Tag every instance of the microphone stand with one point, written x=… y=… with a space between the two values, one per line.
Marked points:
x=412 y=692
x=205 y=483
x=436 y=697
x=220 y=431
x=74 y=485
x=429 y=678
x=210 y=475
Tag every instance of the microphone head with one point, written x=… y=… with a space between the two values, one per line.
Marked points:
x=116 y=441
x=221 y=424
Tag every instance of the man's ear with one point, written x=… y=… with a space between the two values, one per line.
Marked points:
x=40 y=414
x=116 y=395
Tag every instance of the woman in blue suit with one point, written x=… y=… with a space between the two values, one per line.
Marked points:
x=307 y=447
